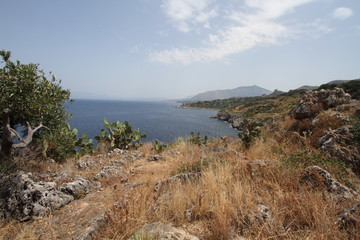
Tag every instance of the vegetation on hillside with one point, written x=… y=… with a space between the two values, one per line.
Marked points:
x=352 y=87
x=254 y=107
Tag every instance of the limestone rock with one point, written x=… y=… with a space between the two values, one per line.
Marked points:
x=315 y=101
x=224 y=116
x=349 y=219
x=318 y=177
x=334 y=145
x=164 y=231
x=112 y=171
x=154 y=158
x=22 y=198
x=183 y=177
x=259 y=217
x=78 y=188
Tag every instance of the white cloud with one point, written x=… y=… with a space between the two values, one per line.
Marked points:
x=342 y=13
x=254 y=25
x=185 y=14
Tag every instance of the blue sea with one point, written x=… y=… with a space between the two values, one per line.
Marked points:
x=158 y=120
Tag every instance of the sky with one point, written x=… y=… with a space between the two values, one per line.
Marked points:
x=170 y=49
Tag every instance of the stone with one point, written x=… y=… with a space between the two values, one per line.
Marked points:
x=349 y=219
x=78 y=188
x=163 y=231
x=334 y=144
x=314 y=102
x=260 y=216
x=156 y=157
x=112 y=171
x=318 y=177
x=183 y=177
x=24 y=199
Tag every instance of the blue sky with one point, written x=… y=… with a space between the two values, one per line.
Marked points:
x=170 y=49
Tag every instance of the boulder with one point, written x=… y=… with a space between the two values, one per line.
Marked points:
x=163 y=231
x=319 y=177
x=154 y=158
x=335 y=144
x=112 y=171
x=78 y=188
x=349 y=219
x=259 y=217
x=224 y=116
x=22 y=198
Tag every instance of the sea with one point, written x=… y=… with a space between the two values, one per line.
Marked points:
x=162 y=121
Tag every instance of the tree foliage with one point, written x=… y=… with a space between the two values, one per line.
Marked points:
x=30 y=97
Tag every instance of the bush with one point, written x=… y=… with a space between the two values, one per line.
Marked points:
x=158 y=147
x=84 y=144
x=356 y=129
x=120 y=135
x=197 y=139
x=58 y=144
x=249 y=132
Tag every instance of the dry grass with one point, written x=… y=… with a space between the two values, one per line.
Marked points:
x=225 y=200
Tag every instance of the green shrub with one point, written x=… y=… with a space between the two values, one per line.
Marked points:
x=197 y=139
x=158 y=147
x=58 y=144
x=197 y=166
x=63 y=143
x=249 y=132
x=84 y=144
x=356 y=129
x=120 y=135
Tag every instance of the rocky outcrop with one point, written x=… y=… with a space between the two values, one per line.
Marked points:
x=78 y=188
x=183 y=177
x=349 y=219
x=318 y=177
x=316 y=101
x=22 y=198
x=235 y=120
x=163 y=231
x=110 y=172
x=334 y=144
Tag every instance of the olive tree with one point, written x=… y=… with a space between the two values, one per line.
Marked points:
x=29 y=100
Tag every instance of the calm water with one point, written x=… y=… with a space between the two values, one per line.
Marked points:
x=162 y=121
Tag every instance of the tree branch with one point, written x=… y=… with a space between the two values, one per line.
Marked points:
x=25 y=142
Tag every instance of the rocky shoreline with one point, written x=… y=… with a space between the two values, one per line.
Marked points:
x=235 y=120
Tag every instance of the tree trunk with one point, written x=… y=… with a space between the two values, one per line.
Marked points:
x=7 y=144
x=7 y=135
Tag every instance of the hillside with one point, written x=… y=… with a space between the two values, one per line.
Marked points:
x=297 y=178
x=246 y=91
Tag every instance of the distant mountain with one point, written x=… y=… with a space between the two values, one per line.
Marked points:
x=275 y=93
x=307 y=87
x=337 y=82
x=246 y=91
